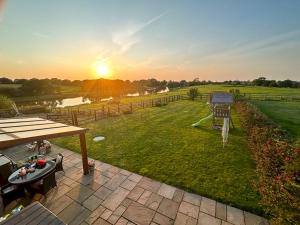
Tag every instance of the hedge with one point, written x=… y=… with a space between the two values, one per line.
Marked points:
x=277 y=165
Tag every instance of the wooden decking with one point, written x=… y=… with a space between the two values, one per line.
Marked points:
x=34 y=214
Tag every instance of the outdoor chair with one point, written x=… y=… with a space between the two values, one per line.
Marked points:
x=59 y=162
x=10 y=193
x=44 y=185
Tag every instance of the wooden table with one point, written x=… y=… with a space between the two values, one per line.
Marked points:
x=34 y=214
x=38 y=174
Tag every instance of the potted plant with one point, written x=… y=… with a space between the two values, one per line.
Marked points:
x=91 y=165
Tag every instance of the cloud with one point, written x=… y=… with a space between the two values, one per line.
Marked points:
x=127 y=38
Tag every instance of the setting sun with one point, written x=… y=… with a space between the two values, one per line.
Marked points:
x=102 y=70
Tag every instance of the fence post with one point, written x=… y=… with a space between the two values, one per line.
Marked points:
x=118 y=107
x=95 y=114
x=108 y=111
x=152 y=103
x=131 y=107
x=74 y=118
x=103 y=111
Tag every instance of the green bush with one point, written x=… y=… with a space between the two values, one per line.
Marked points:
x=193 y=93
x=277 y=164
x=5 y=103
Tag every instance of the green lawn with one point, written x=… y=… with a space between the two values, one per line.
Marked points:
x=160 y=143
x=285 y=114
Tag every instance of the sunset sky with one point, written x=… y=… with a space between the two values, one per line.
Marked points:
x=136 y=39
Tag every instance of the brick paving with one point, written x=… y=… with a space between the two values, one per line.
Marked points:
x=111 y=195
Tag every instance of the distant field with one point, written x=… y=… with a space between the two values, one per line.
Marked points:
x=285 y=114
x=160 y=143
x=246 y=89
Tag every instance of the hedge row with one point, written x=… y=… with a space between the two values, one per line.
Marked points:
x=277 y=165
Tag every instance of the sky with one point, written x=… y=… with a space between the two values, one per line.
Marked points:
x=139 y=39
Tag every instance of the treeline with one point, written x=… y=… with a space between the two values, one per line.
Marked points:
x=35 y=87
x=262 y=81
x=107 y=88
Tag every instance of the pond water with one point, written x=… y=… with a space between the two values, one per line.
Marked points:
x=72 y=102
x=66 y=102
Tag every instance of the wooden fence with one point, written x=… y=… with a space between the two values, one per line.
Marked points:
x=78 y=116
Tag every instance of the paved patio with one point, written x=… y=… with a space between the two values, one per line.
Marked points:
x=111 y=195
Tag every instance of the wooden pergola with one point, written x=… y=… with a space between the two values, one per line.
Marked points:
x=24 y=130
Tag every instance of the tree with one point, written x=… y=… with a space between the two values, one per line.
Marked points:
x=193 y=93
x=5 y=80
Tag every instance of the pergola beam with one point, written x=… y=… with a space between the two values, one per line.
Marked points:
x=20 y=131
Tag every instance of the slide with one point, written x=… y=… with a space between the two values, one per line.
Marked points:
x=202 y=120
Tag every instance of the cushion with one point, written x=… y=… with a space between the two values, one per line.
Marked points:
x=58 y=159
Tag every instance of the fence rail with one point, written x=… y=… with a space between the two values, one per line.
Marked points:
x=78 y=116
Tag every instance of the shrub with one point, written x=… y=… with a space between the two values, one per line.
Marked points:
x=193 y=93
x=5 y=102
x=277 y=165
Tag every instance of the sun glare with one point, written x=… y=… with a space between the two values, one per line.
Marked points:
x=102 y=70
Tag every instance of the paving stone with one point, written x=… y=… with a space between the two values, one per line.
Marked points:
x=221 y=211
x=128 y=184
x=106 y=214
x=182 y=219
x=136 y=193
x=205 y=219
x=92 y=202
x=120 y=210
x=86 y=179
x=108 y=174
x=59 y=204
x=125 y=172
x=135 y=177
x=115 y=182
x=168 y=208
x=149 y=184
x=80 y=193
x=71 y=212
x=122 y=221
x=94 y=186
x=154 y=201
x=225 y=223
x=69 y=182
x=113 y=219
x=189 y=209
x=162 y=220
x=115 y=198
x=95 y=215
x=103 y=192
x=101 y=179
x=100 y=221
x=235 y=216
x=116 y=214
x=178 y=195
x=58 y=192
x=114 y=169
x=81 y=217
x=139 y=214
x=251 y=219
x=166 y=191
x=126 y=202
x=208 y=206
x=192 y=198
x=144 y=197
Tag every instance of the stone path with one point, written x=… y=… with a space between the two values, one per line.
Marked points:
x=111 y=195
